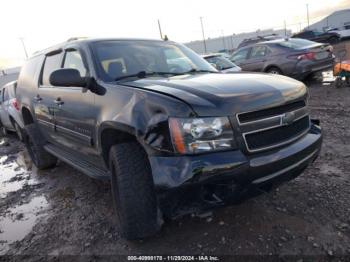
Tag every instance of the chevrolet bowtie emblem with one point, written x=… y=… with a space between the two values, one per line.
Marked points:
x=288 y=118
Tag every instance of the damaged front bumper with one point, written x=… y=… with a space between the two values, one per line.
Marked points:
x=205 y=181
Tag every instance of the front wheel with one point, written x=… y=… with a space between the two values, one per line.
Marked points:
x=133 y=192
x=274 y=71
x=338 y=82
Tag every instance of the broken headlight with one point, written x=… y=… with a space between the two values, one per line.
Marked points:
x=196 y=135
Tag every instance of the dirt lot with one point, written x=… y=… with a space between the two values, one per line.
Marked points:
x=62 y=211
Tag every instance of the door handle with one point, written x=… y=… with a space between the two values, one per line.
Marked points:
x=58 y=101
x=37 y=98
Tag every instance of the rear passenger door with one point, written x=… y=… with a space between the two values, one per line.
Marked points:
x=44 y=99
x=257 y=58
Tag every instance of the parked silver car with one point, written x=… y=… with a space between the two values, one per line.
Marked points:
x=10 y=116
x=294 y=57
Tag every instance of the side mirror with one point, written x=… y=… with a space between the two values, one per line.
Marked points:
x=67 y=77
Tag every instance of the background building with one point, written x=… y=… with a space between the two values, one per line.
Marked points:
x=230 y=42
x=339 y=19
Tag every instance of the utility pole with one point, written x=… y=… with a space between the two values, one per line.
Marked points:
x=307 y=12
x=205 y=45
x=285 y=28
x=223 y=39
x=160 y=30
x=24 y=47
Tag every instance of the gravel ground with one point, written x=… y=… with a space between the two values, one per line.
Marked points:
x=63 y=212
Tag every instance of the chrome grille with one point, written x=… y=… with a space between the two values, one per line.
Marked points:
x=263 y=130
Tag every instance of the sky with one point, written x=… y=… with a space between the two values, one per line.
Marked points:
x=43 y=23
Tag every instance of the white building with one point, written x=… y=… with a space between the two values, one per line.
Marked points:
x=229 y=42
x=339 y=19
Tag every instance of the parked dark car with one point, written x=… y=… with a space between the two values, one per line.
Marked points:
x=171 y=140
x=320 y=37
x=258 y=39
x=294 y=57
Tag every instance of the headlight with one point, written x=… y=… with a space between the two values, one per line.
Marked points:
x=195 y=135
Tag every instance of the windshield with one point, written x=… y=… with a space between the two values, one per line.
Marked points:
x=296 y=43
x=119 y=58
x=220 y=62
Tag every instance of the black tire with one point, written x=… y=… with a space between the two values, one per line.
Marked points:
x=35 y=146
x=4 y=131
x=338 y=82
x=274 y=70
x=133 y=192
x=19 y=131
x=347 y=80
x=334 y=40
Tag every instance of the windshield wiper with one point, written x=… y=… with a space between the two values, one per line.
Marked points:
x=143 y=74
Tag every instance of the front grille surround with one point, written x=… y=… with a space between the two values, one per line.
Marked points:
x=273 y=129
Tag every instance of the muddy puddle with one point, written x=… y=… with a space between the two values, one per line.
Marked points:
x=17 y=219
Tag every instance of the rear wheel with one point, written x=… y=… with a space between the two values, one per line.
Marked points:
x=35 y=146
x=133 y=192
x=3 y=130
x=274 y=70
x=333 y=40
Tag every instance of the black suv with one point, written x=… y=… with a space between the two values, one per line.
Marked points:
x=320 y=37
x=171 y=133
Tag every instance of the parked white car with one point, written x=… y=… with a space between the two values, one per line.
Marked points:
x=221 y=63
x=10 y=116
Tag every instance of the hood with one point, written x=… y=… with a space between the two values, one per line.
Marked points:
x=226 y=94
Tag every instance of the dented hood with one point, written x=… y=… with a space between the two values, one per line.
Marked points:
x=226 y=94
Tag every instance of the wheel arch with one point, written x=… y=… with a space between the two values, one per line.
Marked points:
x=27 y=116
x=111 y=133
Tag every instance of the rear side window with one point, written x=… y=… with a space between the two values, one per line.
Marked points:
x=73 y=60
x=259 y=51
x=6 y=94
x=51 y=64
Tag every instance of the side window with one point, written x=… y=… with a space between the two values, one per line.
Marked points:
x=259 y=51
x=240 y=55
x=6 y=95
x=73 y=60
x=51 y=64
